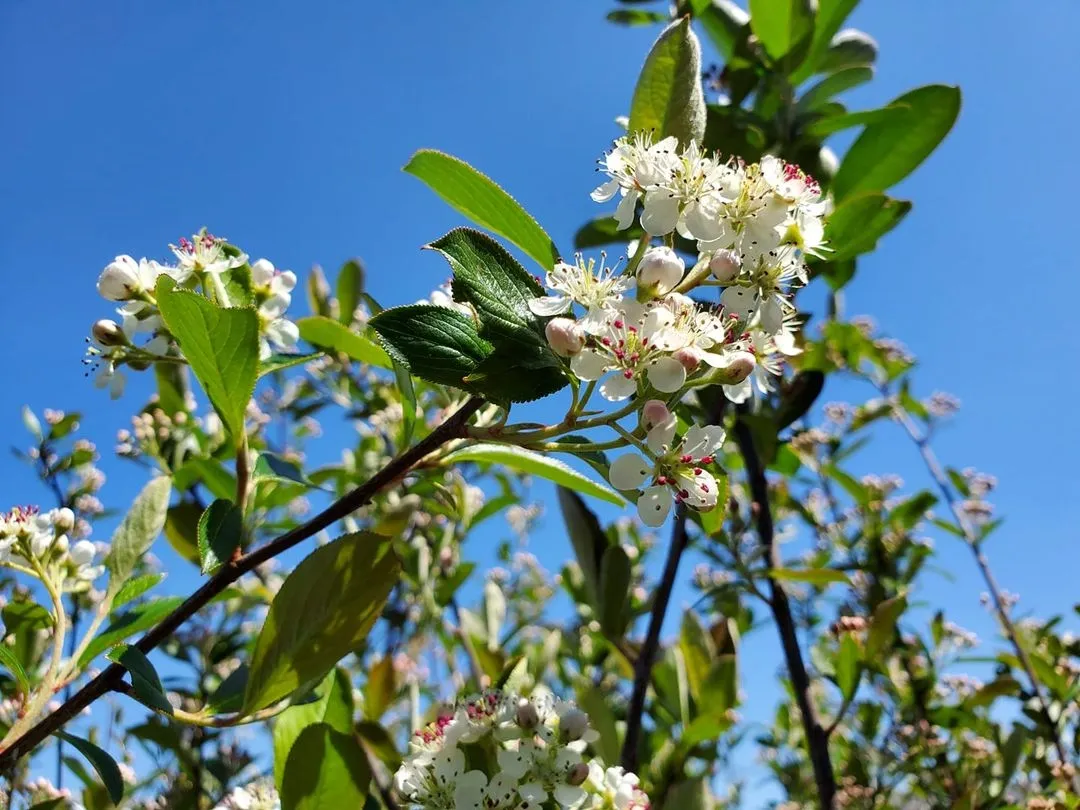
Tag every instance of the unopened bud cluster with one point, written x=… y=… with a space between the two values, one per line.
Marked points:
x=499 y=751
x=38 y=543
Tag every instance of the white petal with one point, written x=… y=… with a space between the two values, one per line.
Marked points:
x=283 y=332
x=661 y=213
x=654 y=505
x=771 y=315
x=740 y=301
x=606 y=191
x=660 y=436
x=618 y=387
x=701 y=441
x=700 y=489
x=624 y=214
x=667 y=374
x=549 y=305
x=589 y=365
x=740 y=392
x=629 y=471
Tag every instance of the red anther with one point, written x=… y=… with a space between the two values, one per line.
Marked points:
x=628 y=374
x=704 y=487
x=662 y=480
x=635 y=357
x=684 y=493
x=618 y=323
x=606 y=341
x=631 y=329
x=698 y=471
x=707 y=459
x=686 y=459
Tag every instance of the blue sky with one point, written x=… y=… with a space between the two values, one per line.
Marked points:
x=283 y=126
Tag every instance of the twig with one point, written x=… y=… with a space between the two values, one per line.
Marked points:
x=933 y=466
x=111 y=677
x=817 y=739
x=643 y=667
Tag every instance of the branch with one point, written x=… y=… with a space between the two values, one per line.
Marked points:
x=817 y=739
x=453 y=428
x=933 y=466
x=644 y=665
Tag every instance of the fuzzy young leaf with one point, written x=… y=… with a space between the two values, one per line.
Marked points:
x=104 y=764
x=326 y=333
x=482 y=201
x=887 y=152
x=434 y=343
x=324 y=609
x=221 y=533
x=668 y=98
x=137 y=532
x=222 y=346
x=333 y=705
x=528 y=461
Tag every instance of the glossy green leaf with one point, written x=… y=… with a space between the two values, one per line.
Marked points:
x=480 y=199
x=887 y=152
x=326 y=770
x=137 y=619
x=144 y=678
x=781 y=25
x=858 y=222
x=333 y=705
x=280 y=362
x=848 y=665
x=883 y=626
x=814 y=576
x=10 y=662
x=221 y=345
x=182 y=530
x=380 y=688
x=587 y=538
x=668 y=98
x=324 y=609
x=615 y=575
x=104 y=764
x=350 y=286
x=832 y=86
x=437 y=344
x=221 y=533
x=604 y=231
x=634 y=16
x=725 y=22
x=138 y=530
x=528 y=461
x=272 y=467
x=326 y=333
x=829 y=17
x=826 y=125
x=849 y=48
x=25 y=616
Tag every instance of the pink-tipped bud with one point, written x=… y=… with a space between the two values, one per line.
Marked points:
x=654 y=412
x=725 y=265
x=565 y=336
x=578 y=774
x=689 y=357
x=660 y=270
x=742 y=365
x=108 y=333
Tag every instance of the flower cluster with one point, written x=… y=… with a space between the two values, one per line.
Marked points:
x=675 y=469
x=499 y=751
x=258 y=795
x=37 y=543
x=204 y=260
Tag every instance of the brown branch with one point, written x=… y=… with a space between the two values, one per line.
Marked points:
x=111 y=677
x=817 y=740
x=644 y=665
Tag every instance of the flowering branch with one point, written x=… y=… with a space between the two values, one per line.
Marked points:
x=112 y=676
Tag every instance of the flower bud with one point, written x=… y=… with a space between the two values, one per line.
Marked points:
x=574 y=724
x=578 y=774
x=120 y=280
x=742 y=365
x=689 y=357
x=108 y=333
x=565 y=336
x=660 y=270
x=725 y=265
x=64 y=520
x=654 y=412
x=82 y=553
x=527 y=717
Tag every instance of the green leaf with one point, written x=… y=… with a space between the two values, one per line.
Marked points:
x=627 y=16
x=883 y=626
x=849 y=48
x=827 y=125
x=814 y=576
x=887 y=152
x=272 y=467
x=615 y=570
x=857 y=223
x=528 y=461
x=182 y=530
x=437 y=344
x=333 y=705
x=144 y=678
x=11 y=663
x=139 y=618
x=25 y=616
x=326 y=333
x=104 y=764
x=137 y=532
x=350 y=286
x=326 y=770
x=209 y=471
x=380 y=689
x=834 y=85
x=408 y=403
x=324 y=609
x=604 y=231
x=726 y=24
x=827 y=21
x=380 y=743
x=221 y=533
x=222 y=346
x=481 y=200
x=847 y=666
x=588 y=539
x=602 y=719
x=668 y=98
x=280 y=362
x=1011 y=752
x=781 y=25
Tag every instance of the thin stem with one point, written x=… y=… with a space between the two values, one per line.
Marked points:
x=243 y=474
x=639 y=254
x=453 y=427
x=644 y=665
x=817 y=739
x=204 y=720
x=933 y=466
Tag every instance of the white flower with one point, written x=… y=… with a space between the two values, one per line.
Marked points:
x=615 y=788
x=204 y=253
x=124 y=278
x=473 y=794
x=678 y=472
x=267 y=278
x=635 y=165
x=278 y=332
x=82 y=553
x=660 y=270
x=443 y=297
x=595 y=289
x=109 y=377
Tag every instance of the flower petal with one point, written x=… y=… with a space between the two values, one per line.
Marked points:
x=661 y=213
x=629 y=471
x=667 y=374
x=654 y=505
x=549 y=305
x=589 y=365
x=618 y=387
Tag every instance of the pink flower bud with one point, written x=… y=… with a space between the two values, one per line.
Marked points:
x=742 y=365
x=653 y=413
x=578 y=774
x=689 y=357
x=725 y=265
x=108 y=333
x=565 y=336
x=660 y=269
